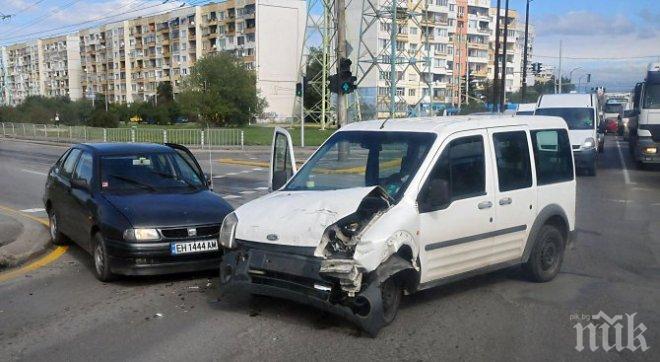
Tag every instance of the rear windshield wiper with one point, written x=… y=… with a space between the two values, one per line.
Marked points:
x=133 y=182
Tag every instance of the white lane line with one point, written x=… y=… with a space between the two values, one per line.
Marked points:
x=263 y=188
x=34 y=210
x=221 y=176
x=257 y=169
x=34 y=172
x=626 y=175
x=231 y=197
x=247 y=192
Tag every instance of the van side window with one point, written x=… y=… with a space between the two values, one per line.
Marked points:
x=552 y=154
x=461 y=167
x=514 y=168
x=69 y=163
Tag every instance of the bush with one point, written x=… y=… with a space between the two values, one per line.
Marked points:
x=104 y=119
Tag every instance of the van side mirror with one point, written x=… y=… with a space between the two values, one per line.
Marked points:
x=80 y=184
x=435 y=196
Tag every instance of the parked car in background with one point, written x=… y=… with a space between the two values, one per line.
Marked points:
x=612 y=112
x=580 y=111
x=400 y=205
x=139 y=209
x=526 y=109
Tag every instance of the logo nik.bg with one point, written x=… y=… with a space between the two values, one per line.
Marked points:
x=608 y=326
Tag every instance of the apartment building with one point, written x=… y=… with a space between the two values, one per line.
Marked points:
x=515 y=45
x=126 y=60
x=437 y=44
x=21 y=71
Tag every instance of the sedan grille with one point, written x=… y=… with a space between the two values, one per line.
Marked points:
x=183 y=233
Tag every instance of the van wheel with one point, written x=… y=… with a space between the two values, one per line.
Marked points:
x=391 y=294
x=547 y=255
x=101 y=260
x=54 y=229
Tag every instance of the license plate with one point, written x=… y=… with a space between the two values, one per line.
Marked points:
x=189 y=247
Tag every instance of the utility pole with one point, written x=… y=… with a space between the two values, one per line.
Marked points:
x=302 y=112
x=342 y=111
x=394 y=30
x=506 y=33
x=524 y=70
x=496 y=71
x=560 y=85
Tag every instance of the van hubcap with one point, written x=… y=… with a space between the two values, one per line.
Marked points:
x=548 y=255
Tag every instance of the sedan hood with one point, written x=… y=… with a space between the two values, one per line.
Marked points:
x=171 y=209
x=296 y=218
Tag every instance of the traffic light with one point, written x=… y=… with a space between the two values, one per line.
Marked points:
x=300 y=86
x=588 y=77
x=536 y=68
x=343 y=82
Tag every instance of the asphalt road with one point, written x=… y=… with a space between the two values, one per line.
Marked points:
x=61 y=312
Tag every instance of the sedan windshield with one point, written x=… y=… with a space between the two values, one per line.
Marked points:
x=365 y=158
x=152 y=172
x=576 y=118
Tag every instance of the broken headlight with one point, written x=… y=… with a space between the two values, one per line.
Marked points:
x=228 y=231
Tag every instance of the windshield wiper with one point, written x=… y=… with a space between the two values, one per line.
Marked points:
x=133 y=182
x=173 y=177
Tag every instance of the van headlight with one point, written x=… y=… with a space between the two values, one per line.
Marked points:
x=588 y=143
x=141 y=235
x=228 y=231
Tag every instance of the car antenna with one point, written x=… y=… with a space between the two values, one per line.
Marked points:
x=382 y=125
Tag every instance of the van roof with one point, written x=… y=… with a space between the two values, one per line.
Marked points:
x=455 y=123
x=526 y=107
x=566 y=101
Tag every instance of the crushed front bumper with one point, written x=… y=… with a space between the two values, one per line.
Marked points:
x=293 y=273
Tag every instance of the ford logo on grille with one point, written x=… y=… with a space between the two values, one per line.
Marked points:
x=192 y=232
x=272 y=237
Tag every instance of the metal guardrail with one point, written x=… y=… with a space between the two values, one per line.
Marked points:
x=197 y=138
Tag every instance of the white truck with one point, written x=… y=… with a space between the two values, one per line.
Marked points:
x=644 y=139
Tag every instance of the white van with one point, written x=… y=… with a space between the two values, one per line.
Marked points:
x=387 y=207
x=526 y=109
x=580 y=111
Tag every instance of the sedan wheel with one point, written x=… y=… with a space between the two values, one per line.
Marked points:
x=55 y=235
x=101 y=261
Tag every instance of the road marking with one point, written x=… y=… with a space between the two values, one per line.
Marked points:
x=263 y=188
x=230 y=197
x=247 y=192
x=34 y=172
x=626 y=175
x=39 y=263
x=34 y=210
x=257 y=169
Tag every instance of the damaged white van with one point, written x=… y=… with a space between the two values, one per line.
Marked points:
x=387 y=208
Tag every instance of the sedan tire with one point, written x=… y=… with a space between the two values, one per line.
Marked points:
x=100 y=260
x=56 y=235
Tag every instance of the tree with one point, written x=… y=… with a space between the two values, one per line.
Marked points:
x=101 y=118
x=222 y=90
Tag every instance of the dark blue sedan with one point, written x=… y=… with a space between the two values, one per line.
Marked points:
x=139 y=209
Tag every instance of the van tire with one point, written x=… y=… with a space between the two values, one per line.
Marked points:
x=100 y=260
x=391 y=294
x=547 y=255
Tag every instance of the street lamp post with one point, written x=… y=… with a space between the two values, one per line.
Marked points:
x=570 y=75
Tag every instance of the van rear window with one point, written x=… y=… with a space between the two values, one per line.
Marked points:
x=576 y=118
x=552 y=155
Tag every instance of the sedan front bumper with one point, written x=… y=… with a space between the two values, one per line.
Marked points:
x=156 y=258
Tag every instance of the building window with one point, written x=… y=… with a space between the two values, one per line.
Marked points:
x=411 y=92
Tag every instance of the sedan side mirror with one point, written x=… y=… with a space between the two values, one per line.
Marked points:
x=208 y=180
x=80 y=184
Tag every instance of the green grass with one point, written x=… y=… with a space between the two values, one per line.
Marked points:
x=259 y=135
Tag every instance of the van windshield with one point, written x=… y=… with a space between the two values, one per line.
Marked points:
x=365 y=158
x=576 y=118
x=652 y=96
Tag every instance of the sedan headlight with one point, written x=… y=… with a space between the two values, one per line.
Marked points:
x=141 y=235
x=228 y=231
x=589 y=143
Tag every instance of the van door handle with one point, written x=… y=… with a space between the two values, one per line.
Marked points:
x=485 y=205
x=506 y=201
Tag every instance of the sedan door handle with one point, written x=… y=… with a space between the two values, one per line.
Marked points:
x=506 y=201
x=485 y=205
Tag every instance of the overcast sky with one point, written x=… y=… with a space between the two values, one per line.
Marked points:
x=588 y=28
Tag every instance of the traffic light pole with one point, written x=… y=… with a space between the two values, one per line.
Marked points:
x=524 y=70
x=302 y=112
x=342 y=111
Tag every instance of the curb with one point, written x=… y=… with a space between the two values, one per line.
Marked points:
x=31 y=241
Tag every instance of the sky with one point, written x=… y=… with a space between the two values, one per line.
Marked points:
x=624 y=31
